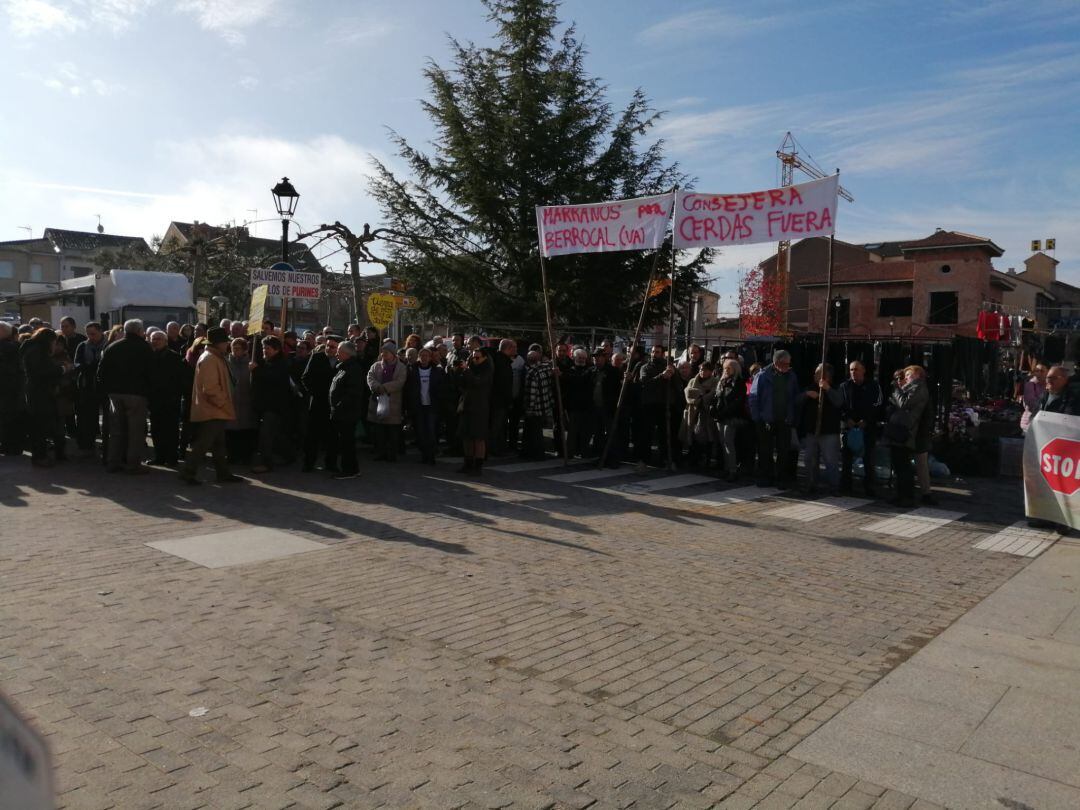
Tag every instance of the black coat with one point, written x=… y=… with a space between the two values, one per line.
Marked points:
x=502 y=380
x=576 y=384
x=271 y=387
x=729 y=400
x=1068 y=403
x=412 y=388
x=348 y=391
x=316 y=379
x=11 y=373
x=476 y=400
x=86 y=364
x=125 y=367
x=41 y=373
x=610 y=380
x=170 y=378
x=653 y=386
x=71 y=343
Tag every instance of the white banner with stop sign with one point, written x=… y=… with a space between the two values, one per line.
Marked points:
x=1052 y=469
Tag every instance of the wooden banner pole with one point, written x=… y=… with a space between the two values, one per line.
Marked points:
x=561 y=422
x=825 y=340
x=629 y=370
x=671 y=363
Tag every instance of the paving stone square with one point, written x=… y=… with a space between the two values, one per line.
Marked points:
x=508 y=641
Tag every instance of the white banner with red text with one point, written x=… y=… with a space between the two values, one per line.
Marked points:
x=1052 y=469
x=605 y=227
x=773 y=215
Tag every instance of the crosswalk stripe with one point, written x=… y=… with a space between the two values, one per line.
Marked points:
x=587 y=475
x=658 y=484
x=1020 y=540
x=826 y=507
x=731 y=496
x=915 y=523
x=525 y=466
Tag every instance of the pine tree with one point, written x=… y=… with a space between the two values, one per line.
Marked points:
x=521 y=124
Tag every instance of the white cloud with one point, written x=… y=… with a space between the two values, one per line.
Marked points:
x=351 y=30
x=708 y=23
x=66 y=78
x=213 y=180
x=228 y=18
x=248 y=82
x=29 y=17
x=685 y=132
x=118 y=15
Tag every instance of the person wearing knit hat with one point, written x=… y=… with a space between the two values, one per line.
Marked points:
x=388 y=346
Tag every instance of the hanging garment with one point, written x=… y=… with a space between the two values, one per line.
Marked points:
x=1004 y=328
x=988 y=327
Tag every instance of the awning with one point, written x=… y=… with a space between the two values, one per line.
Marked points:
x=50 y=295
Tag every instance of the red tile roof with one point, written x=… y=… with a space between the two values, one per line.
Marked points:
x=902 y=272
x=951 y=239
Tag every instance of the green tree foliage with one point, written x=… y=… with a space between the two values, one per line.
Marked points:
x=520 y=124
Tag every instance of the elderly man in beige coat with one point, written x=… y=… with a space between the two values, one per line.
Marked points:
x=211 y=409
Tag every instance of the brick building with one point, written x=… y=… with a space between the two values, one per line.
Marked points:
x=923 y=289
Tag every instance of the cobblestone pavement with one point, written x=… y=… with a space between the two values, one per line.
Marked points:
x=504 y=642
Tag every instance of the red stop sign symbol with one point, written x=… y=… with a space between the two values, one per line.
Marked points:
x=1059 y=461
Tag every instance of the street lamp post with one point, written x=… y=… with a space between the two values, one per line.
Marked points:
x=285 y=199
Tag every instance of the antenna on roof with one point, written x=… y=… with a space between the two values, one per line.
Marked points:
x=100 y=227
x=29 y=230
x=255 y=221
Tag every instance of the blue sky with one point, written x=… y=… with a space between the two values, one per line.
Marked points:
x=961 y=115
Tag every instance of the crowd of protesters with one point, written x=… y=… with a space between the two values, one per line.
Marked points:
x=278 y=398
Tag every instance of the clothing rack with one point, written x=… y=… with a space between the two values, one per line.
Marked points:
x=1005 y=309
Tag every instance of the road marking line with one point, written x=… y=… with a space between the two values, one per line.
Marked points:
x=1020 y=540
x=915 y=523
x=826 y=507
x=731 y=496
x=658 y=484
x=587 y=475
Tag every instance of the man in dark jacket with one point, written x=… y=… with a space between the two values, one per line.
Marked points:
x=861 y=411
x=502 y=394
x=42 y=378
x=271 y=400
x=577 y=393
x=317 y=376
x=70 y=336
x=1060 y=396
x=604 y=384
x=423 y=387
x=348 y=399
x=11 y=389
x=124 y=376
x=826 y=445
x=91 y=405
x=655 y=380
x=772 y=409
x=169 y=375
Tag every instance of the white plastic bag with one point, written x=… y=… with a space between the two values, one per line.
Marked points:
x=382 y=406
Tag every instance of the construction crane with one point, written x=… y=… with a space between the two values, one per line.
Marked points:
x=790 y=159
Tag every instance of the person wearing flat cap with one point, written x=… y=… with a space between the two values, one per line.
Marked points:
x=211 y=408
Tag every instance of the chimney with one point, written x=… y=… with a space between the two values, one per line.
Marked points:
x=1012 y=271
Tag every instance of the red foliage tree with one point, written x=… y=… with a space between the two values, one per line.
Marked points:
x=761 y=303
